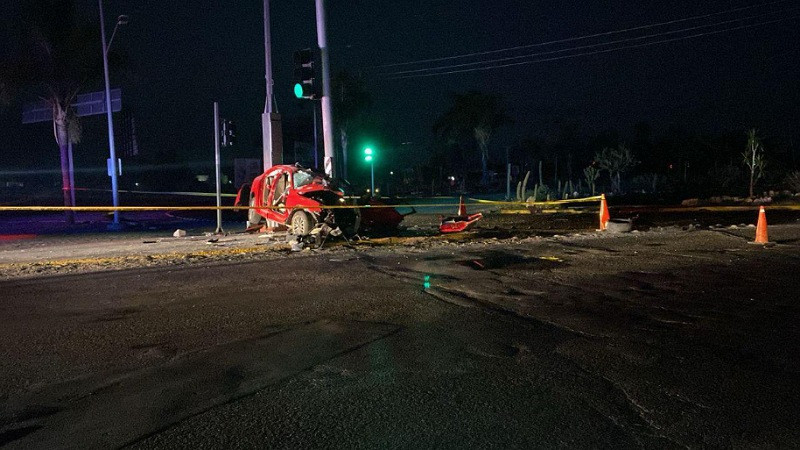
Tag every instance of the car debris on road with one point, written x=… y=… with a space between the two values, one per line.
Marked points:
x=460 y=222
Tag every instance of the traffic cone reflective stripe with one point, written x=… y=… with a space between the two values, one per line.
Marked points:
x=761 y=228
x=604 y=215
x=462 y=208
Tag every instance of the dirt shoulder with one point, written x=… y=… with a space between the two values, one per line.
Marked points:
x=27 y=256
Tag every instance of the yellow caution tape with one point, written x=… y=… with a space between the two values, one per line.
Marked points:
x=722 y=208
x=595 y=198
x=237 y=208
x=510 y=207
x=183 y=193
x=547 y=211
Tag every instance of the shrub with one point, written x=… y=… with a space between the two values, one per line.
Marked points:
x=792 y=181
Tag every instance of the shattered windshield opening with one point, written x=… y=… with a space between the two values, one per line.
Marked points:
x=302 y=178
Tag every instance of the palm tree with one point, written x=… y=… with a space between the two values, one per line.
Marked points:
x=350 y=99
x=475 y=114
x=54 y=57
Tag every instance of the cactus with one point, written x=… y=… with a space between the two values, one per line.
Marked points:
x=540 y=173
x=524 y=186
x=519 y=190
x=566 y=191
x=591 y=174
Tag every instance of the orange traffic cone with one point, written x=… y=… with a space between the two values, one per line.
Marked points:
x=462 y=208
x=761 y=228
x=604 y=215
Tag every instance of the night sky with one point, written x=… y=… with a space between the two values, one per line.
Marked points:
x=182 y=58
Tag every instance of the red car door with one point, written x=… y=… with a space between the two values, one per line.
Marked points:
x=279 y=192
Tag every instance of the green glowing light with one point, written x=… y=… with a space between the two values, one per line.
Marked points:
x=427 y=283
x=298 y=90
x=368 y=158
x=367 y=151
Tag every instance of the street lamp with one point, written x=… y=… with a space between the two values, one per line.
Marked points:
x=368 y=157
x=121 y=20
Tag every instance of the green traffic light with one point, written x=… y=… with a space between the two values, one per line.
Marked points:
x=367 y=151
x=298 y=90
x=368 y=158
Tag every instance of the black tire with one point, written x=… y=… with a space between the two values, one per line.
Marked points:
x=252 y=216
x=349 y=221
x=301 y=223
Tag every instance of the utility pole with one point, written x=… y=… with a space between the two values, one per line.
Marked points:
x=327 y=114
x=217 y=169
x=372 y=171
x=270 y=120
x=370 y=158
x=71 y=171
x=115 y=225
x=316 y=136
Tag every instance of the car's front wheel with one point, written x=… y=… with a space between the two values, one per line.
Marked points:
x=301 y=223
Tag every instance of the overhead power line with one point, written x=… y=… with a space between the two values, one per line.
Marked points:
x=646 y=44
x=583 y=47
x=588 y=36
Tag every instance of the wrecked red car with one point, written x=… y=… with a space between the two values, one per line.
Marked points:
x=300 y=199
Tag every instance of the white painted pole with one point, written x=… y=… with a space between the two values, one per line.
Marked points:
x=71 y=172
x=266 y=122
x=327 y=114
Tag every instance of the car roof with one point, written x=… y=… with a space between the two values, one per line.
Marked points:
x=281 y=168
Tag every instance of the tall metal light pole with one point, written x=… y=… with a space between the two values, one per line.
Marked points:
x=327 y=114
x=370 y=158
x=217 y=169
x=267 y=57
x=115 y=225
x=269 y=119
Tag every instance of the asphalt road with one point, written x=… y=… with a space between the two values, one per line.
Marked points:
x=656 y=339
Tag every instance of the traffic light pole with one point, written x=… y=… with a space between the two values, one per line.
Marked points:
x=327 y=114
x=372 y=170
x=267 y=60
x=217 y=169
x=270 y=121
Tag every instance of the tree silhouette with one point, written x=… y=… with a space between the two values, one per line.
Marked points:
x=616 y=161
x=54 y=56
x=350 y=99
x=475 y=114
x=753 y=158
